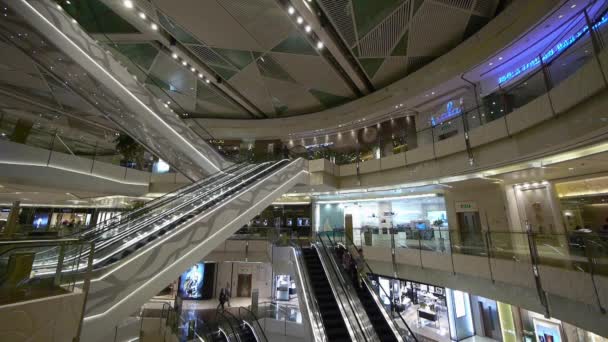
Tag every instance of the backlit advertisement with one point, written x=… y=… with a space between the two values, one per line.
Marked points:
x=191 y=282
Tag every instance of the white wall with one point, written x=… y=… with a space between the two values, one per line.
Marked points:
x=228 y=273
x=490 y=201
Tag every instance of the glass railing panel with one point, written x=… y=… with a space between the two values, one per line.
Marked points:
x=509 y=245
x=469 y=242
x=20 y=281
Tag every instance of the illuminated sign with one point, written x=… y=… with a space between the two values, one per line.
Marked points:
x=450 y=112
x=554 y=51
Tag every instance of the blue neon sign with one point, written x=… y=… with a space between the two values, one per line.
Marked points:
x=450 y=112
x=554 y=51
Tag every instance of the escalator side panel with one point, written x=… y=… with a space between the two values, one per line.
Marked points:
x=142 y=275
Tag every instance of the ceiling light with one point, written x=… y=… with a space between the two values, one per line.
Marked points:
x=184 y=63
x=174 y=55
x=200 y=75
x=142 y=15
x=299 y=20
x=207 y=81
x=154 y=26
x=73 y=21
x=319 y=45
x=69 y=3
x=500 y=58
x=573 y=6
x=307 y=28
x=560 y=16
x=128 y=4
x=192 y=69
x=291 y=10
x=490 y=64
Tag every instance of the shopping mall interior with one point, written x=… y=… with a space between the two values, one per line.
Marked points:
x=304 y=170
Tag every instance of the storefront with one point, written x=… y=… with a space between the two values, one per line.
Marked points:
x=422 y=214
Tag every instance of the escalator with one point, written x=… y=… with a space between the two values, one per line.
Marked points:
x=333 y=321
x=134 y=258
x=386 y=327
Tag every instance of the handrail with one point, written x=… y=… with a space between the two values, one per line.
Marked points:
x=257 y=322
x=368 y=333
x=366 y=280
x=162 y=216
x=228 y=316
x=313 y=312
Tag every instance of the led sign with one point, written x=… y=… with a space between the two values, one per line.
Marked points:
x=557 y=49
x=450 y=112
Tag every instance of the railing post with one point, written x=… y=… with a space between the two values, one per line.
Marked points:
x=60 y=257
x=542 y=296
x=595 y=43
x=591 y=261
x=85 y=290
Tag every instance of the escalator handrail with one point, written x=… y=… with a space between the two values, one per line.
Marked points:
x=255 y=321
x=314 y=312
x=155 y=202
x=167 y=198
x=366 y=280
x=163 y=215
x=362 y=330
x=230 y=316
x=140 y=225
x=224 y=318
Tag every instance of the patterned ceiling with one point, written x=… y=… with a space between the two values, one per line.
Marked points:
x=258 y=50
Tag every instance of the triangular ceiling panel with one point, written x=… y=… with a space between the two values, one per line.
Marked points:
x=237 y=58
x=401 y=47
x=328 y=100
x=295 y=44
x=371 y=65
x=270 y=68
x=368 y=14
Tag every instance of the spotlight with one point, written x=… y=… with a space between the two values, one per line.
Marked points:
x=154 y=26
x=192 y=69
x=307 y=28
x=128 y=4
x=142 y=15
x=174 y=55
x=299 y=20
x=200 y=75
x=184 y=63
x=291 y=10
x=320 y=45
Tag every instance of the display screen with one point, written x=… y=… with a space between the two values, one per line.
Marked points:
x=547 y=331
x=421 y=225
x=191 y=282
x=41 y=220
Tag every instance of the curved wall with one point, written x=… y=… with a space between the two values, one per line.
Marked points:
x=511 y=24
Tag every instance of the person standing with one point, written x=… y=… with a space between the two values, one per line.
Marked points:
x=228 y=293
x=222 y=299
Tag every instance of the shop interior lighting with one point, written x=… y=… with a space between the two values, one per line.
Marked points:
x=376 y=199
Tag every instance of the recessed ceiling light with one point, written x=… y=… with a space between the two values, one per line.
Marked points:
x=574 y=5
x=500 y=58
x=142 y=15
x=307 y=28
x=299 y=20
x=184 y=63
x=73 y=21
x=200 y=75
x=560 y=16
x=154 y=26
x=174 y=55
x=291 y=10
x=128 y=4
x=192 y=69
x=490 y=64
x=320 y=45
x=207 y=81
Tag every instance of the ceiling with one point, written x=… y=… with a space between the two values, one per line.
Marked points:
x=261 y=55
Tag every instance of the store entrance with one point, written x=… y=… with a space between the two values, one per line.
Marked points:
x=243 y=286
x=470 y=233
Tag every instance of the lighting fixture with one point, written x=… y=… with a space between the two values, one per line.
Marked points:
x=319 y=45
x=490 y=64
x=573 y=6
x=192 y=69
x=142 y=15
x=291 y=10
x=200 y=75
x=299 y=20
x=154 y=26
x=560 y=16
x=184 y=63
x=307 y=28
x=174 y=55
x=207 y=81
x=128 y=4
x=73 y=21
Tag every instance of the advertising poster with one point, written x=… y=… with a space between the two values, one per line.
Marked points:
x=41 y=220
x=191 y=282
x=546 y=331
